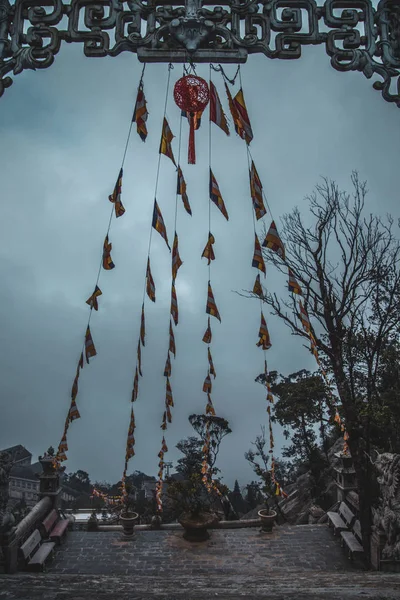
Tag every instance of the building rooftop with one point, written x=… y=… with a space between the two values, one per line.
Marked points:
x=18 y=452
x=24 y=472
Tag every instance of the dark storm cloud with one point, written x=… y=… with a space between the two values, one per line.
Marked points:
x=63 y=132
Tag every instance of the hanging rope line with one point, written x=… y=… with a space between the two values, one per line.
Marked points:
x=88 y=347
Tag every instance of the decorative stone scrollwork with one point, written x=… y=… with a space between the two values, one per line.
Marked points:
x=357 y=36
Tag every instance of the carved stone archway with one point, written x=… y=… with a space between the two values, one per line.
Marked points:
x=357 y=37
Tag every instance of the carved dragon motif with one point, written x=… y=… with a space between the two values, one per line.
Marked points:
x=387 y=516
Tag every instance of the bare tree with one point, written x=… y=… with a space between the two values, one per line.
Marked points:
x=347 y=264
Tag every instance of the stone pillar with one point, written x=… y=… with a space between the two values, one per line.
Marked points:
x=378 y=541
x=50 y=480
x=345 y=476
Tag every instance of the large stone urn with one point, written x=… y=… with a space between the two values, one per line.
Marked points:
x=128 y=521
x=267 y=519
x=196 y=525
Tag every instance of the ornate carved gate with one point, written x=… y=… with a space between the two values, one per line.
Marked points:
x=357 y=37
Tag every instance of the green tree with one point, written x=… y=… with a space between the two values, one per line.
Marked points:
x=347 y=264
x=191 y=449
x=218 y=428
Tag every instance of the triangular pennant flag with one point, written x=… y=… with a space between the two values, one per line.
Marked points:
x=257 y=289
x=176 y=259
x=115 y=197
x=150 y=287
x=172 y=348
x=304 y=318
x=293 y=284
x=207 y=385
x=164 y=446
x=211 y=307
x=61 y=456
x=217 y=114
x=142 y=327
x=256 y=191
x=274 y=242
x=140 y=114
x=166 y=139
x=107 y=260
x=90 y=349
x=264 y=342
x=242 y=124
x=258 y=260
x=158 y=223
x=209 y=407
x=233 y=110
x=168 y=413
x=167 y=368
x=80 y=364
x=211 y=364
x=139 y=359
x=135 y=390
x=208 y=334
x=215 y=196
x=73 y=412
x=169 y=401
x=74 y=390
x=92 y=300
x=174 y=304
x=63 y=446
x=208 y=251
x=181 y=191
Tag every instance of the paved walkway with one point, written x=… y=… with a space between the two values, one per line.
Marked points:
x=308 y=547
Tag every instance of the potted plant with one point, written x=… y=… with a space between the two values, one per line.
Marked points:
x=193 y=503
x=92 y=524
x=128 y=516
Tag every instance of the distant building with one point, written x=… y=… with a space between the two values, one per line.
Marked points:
x=24 y=478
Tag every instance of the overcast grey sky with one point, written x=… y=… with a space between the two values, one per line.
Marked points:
x=62 y=135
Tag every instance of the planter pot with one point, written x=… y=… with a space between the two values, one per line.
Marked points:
x=196 y=526
x=267 y=520
x=92 y=525
x=128 y=521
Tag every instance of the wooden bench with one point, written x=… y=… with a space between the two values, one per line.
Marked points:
x=341 y=520
x=34 y=553
x=54 y=528
x=352 y=540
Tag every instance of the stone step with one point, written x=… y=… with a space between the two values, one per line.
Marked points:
x=280 y=585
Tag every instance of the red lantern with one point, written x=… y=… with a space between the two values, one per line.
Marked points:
x=191 y=94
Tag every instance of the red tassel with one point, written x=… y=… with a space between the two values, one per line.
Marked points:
x=191 y=150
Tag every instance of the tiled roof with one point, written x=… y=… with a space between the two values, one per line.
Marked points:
x=18 y=452
x=22 y=472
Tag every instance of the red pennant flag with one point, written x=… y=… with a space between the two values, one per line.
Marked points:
x=164 y=446
x=164 y=424
x=107 y=261
x=208 y=251
x=176 y=259
x=209 y=407
x=211 y=307
x=208 y=334
x=115 y=197
x=258 y=260
x=215 y=196
x=150 y=287
x=74 y=390
x=181 y=191
x=90 y=350
x=169 y=415
x=174 y=304
x=63 y=447
x=304 y=318
x=140 y=114
x=172 y=348
x=92 y=300
x=217 y=114
x=274 y=242
x=158 y=223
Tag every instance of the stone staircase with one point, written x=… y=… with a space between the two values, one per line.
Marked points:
x=280 y=585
